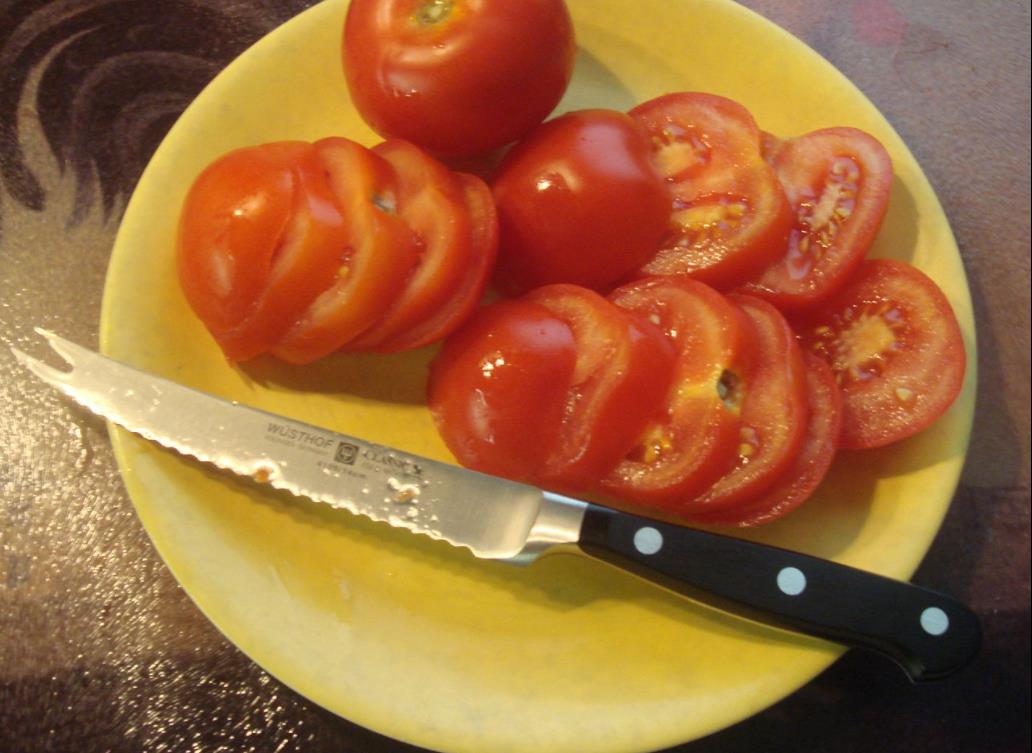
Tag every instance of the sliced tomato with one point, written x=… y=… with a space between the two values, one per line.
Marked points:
x=623 y=369
x=431 y=201
x=775 y=413
x=233 y=226
x=894 y=344
x=811 y=464
x=837 y=181
x=691 y=441
x=730 y=217
x=370 y=261
x=448 y=316
x=498 y=388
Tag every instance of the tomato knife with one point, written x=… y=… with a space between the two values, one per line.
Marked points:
x=928 y=634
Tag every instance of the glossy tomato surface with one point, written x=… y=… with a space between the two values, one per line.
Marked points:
x=457 y=77
x=837 y=181
x=578 y=202
x=893 y=342
x=692 y=440
x=252 y=242
x=729 y=216
x=623 y=370
x=498 y=388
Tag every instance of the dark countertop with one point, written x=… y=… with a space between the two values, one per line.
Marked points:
x=99 y=647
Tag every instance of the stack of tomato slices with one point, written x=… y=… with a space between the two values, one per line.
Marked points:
x=301 y=250
x=665 y=394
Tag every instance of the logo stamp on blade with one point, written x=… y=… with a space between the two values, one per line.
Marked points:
x=346 y=453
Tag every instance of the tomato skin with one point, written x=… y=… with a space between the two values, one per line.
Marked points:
x=810 y=465
x=578 y=202
x=457 y=78
x=691 y=442
x=247 y=247
x=509 y=356
x=897 y=352
x=621 y=376
x=730 y=217
x=837 y=181
x=775 y=413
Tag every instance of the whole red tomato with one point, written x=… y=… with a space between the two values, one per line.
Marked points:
x=579 y=201
x=457 y=77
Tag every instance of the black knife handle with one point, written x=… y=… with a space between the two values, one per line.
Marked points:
x=930 y=635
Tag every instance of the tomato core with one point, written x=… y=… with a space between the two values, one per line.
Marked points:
x=860 y=342
x=433 y=12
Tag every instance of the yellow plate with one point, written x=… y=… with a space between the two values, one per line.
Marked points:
x=410 y=637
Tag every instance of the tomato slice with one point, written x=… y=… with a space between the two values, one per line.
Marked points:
x=837 y=181
x=370 y=260
x=691 y=441
x=894 y=344
x=775 y=412
x=811 y=464
x=430 y=200
x=464 y=299
x=510 y=357
x=623 y=369
x=730 y=216
x=231 y=226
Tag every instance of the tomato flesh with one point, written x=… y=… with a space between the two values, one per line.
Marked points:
x=811 y=463
x=897 y=352
x=774 y=412
x=432 y=204
x=509 y=358
x=838 y=182
x=624 y=365
x=690 y=442
x=371 y=260
x=729 y=216
x=578 y=202
x=470 y=289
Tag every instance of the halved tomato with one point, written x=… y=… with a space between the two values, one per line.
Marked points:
x=894 y=344
x=838 y=182
x=690 y=442
x=449 y=315
x=498 y=388
x=811 y=464
x=774 y=413
x=370 y=262
x=430 y=200
x=622 y=374
x=730 y=217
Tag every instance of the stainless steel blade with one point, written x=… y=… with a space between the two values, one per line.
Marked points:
x=493 y=517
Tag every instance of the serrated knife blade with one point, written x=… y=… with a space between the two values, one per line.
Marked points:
x=929 y=634
x=492 y=517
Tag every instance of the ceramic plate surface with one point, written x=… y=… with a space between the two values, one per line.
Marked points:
x=420 y=641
